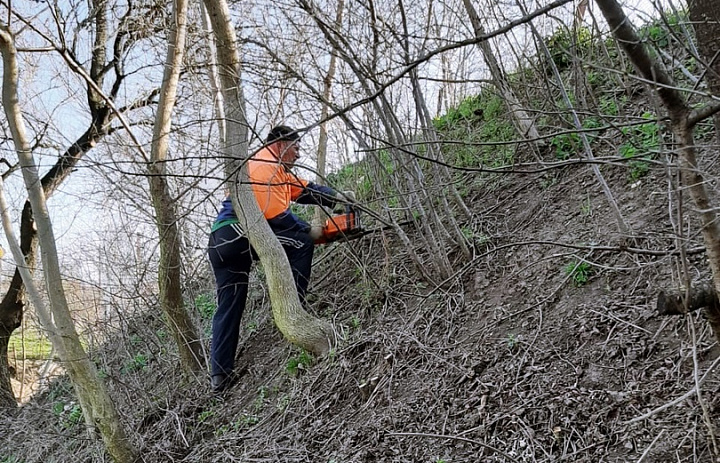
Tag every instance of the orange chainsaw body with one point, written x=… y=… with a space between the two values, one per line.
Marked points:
x=340 y=226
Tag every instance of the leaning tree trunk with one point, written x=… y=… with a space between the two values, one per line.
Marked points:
x=297 y=325
x=101 y=115
x=327 y=96
x=682 y=121
x=705 y=16
x=524 y=123
x=166 y=217
x=97 y=404
x=588 y=153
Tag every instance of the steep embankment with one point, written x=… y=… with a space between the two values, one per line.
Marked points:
x=545 y=346
x=516 y=360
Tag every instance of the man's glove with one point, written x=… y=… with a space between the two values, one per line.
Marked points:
x=347 y=196
x=316 y=232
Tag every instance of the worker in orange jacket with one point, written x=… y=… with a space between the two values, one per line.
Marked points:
x=231 y=255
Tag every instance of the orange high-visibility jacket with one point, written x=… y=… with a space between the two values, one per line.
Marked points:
x=275 y=187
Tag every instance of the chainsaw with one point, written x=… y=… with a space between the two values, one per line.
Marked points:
x=341 y=227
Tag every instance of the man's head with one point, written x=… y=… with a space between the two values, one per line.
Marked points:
x=284 y=142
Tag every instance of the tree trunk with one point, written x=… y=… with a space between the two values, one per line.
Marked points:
x=327 y=92
x=298 y=326
x=682 y=303
x=11 y=306
x=7 y=398
x=97 y=405
x=170 y=270
x=524 y=123
x=703 y=297
x=678 y=110
x=705 y=17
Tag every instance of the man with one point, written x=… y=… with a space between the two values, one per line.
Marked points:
x=231 y=255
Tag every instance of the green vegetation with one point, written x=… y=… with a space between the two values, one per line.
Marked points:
x=69 y=415
x=586 y=207
x=205 y=415
x=299 y=362
x=245 y=420
x=137 y=363
x=357 y=176
x=355 y=322
x=643 y=141
x=659 y=32
x=30 y=343
x=482 y=122
x=565 y=44
x=566 y=145
x=578 y=271
x=205 y=305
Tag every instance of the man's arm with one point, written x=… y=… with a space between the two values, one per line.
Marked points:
x=317 y=194
x=287 y=221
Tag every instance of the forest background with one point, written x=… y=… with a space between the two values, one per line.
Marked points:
x=432 y=113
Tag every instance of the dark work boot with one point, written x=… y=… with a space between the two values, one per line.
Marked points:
x=221 y=382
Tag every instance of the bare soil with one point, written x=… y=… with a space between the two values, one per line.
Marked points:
x=509 y=361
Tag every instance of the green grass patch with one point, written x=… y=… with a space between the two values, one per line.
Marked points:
x=299 y=362
x=29 y=343
x=482 y=122
x=579 y=272
x=642 y=142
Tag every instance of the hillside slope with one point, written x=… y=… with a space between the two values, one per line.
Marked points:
x=544 y=347
x=512 y=362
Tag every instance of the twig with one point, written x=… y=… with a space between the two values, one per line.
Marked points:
x=647 y=450
x=649 y=252
x=464 y=439
x=609 y=315
x=676 y=401
x=701 y=401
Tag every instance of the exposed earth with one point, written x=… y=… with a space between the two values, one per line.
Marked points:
x=513 y=360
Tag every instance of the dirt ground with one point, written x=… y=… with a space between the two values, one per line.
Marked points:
x=511 y=361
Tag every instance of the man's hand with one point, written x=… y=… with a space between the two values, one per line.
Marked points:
x=347 y=196
x=316 y=232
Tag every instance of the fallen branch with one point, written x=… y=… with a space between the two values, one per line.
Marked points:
x=463 y=439
x=679 y=304
x=687 y=395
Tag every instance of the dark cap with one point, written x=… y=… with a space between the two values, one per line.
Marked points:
x=282 y=133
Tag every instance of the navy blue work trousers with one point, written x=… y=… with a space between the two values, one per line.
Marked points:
x=231 y=257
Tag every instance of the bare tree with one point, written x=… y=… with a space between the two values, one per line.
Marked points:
x=525 y=124
x=297 y=325
x=327 y=93
x=706 y=18
x=682 y=122
x=102 y=115
x=97 y=404
x=170 y=271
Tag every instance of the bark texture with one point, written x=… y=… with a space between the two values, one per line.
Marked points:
x=705 y=17
x=298 y=326
x=97 y=405
x=166 y=217
x=101 y=115
x=679 y=112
